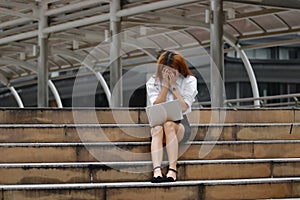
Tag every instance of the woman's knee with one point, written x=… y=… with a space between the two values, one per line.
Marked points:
x=170 y=127
x=157 y=132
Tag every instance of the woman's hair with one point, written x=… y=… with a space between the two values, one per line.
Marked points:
x=174 y=60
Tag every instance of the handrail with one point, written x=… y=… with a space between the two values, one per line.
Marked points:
x=229 y=102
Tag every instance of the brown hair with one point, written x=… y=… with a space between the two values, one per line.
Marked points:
x=177 y=63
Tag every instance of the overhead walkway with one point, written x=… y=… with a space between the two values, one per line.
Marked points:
x=45 y=41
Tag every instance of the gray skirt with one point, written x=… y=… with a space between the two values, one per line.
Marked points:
x=187 y=128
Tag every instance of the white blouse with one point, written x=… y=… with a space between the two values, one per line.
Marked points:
x=187 y=88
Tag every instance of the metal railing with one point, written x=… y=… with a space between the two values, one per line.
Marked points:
x=291 y=100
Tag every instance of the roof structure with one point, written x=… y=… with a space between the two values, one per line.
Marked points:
x=75 y=28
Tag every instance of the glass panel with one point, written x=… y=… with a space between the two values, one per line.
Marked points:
x=283 y=54
x=246 y=27
x=291 y=18
x=270 y=23
x=259 y=53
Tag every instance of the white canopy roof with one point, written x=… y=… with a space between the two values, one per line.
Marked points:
x=78 y=27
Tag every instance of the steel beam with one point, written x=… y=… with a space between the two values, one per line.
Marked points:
x=73 y=7
x=15 y=22
x=152 y=6
x=16 y=13
x=120 y=13
x=21 y=36
x=77 y=23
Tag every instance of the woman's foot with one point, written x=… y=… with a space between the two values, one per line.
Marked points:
x=171 y=175
x=157 y=175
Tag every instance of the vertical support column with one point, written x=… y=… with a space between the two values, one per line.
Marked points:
x=116 y=86
x=217 y=54
x=43 y=57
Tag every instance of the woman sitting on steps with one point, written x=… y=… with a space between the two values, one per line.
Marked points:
x=172 y=80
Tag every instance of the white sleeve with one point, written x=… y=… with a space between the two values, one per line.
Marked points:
x=190 y=90
x=153 y=90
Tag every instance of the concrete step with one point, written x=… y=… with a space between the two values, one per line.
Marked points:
x=141 y=132
x=138 y=116
x=140 y=151
x=264 y=188
x=100 y=172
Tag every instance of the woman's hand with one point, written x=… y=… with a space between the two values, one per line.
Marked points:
x=165 y=75
x=173 y=76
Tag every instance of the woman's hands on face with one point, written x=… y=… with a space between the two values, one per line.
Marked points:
x=169 y=76
x=165 y=75
x=173 y=75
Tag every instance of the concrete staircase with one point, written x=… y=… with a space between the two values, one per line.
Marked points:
x=104 y=154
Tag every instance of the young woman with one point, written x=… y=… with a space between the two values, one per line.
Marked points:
x=172 y=80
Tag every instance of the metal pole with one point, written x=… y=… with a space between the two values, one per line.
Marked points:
x=116 y=86
x=42 y=61
x=217 y=56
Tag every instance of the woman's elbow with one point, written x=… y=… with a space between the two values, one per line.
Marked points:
x=184 y=107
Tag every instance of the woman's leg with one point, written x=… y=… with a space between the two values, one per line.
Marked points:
x=174 y=133
x=157 y=149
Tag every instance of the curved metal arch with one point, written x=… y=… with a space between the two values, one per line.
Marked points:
x=32 y=68
x=232 y=40
x=234 y=43
x=17 y=97
x=5 y=82
x=55 y=93
x=89 y=65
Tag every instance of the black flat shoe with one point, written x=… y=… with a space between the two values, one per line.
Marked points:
x=157 y=179
x=170 y=179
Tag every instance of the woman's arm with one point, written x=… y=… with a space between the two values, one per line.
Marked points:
x=162 y=95
x=164 y=89
x=175 y=91
x=178 y=96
